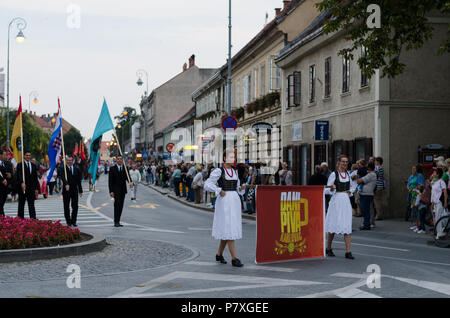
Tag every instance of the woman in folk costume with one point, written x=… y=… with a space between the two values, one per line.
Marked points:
x=227 y=225
x=339 y=215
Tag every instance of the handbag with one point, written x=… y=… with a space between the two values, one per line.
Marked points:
x=194 y=186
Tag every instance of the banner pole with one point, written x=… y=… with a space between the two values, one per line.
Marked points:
x=22 y=144
x=62 y=142
x=120 y=149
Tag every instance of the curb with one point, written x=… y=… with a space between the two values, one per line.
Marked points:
x=195 y=206
x=95 y=244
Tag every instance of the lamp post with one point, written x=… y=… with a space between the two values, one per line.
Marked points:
x=21 y=24
x=139 y=73
x=229 y=60
x=35 y=100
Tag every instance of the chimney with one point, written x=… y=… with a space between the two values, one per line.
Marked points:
x=185 y=67
x=192 y=61
x=277 y=12
x=286 y=4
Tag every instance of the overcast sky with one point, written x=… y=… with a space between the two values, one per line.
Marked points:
x=114 y=40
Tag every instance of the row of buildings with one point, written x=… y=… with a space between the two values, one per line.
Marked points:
x=291 y=77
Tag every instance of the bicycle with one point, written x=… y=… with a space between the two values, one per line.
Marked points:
x=443 y=241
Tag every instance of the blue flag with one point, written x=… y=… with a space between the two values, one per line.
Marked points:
x=104 y=124
x=54 y=146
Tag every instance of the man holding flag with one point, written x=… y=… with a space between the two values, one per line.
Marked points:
x=54 y=146
x=105 y=124
x=27 y=178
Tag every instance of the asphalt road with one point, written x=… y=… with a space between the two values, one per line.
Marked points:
x=165 y=250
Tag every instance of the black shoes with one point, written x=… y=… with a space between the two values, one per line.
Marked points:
x=236 y=263
x=221 y=259
x=349 y=255
x=363 y=228
x=118 y=225
x=74 y=225
x=330 y=253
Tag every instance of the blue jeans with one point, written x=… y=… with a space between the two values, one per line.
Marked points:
x=191 y=194
x=176 y=185
x=422 y=213
x=365 y=202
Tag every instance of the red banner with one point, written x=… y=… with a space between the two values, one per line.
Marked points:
x=290 y=223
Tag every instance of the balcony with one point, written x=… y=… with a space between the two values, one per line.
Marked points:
x=259 y=106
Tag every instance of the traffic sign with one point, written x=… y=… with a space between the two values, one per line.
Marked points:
x=229 y=122
x=170 y=147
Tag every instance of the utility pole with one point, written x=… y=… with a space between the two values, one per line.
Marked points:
x=229 y=61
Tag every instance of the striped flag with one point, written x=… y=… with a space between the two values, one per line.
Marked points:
x=54 y=146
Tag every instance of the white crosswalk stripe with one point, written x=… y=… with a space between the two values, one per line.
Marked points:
x=53 y=209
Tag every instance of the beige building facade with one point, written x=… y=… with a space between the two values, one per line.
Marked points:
x=379 y=116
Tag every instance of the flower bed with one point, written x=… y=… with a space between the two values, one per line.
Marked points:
x=17 y=233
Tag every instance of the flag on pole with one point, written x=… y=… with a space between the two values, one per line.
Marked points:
x=82 y=152
x=104 y=124
x=54 y=146
x=16 y=138
x=75 y=150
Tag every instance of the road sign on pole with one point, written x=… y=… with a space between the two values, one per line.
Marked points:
x=229 y=122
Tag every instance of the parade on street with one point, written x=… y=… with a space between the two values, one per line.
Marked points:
x=229 y=157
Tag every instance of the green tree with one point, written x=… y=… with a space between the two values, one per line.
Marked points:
x=71 y=138
x=35 y=139
x=125 y=122
x=404 y=25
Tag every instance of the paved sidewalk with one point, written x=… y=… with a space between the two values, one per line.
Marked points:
x=202 y=206
x=395 y=230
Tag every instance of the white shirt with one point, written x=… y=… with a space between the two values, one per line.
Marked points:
x=28 y=163
x=135 y=176
x=436 y=191
x=332 y=178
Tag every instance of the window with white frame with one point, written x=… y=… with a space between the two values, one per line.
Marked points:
x=327 y=92
x=312 y=84
x=255 y=84
x=275 y=75
x=262 y=90
x=345 y=74
x=238 y=94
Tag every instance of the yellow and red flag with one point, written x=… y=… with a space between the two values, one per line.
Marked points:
x=16 y=138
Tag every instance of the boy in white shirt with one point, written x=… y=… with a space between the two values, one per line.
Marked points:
x=135 y=177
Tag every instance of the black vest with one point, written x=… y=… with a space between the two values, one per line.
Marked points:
x=341 y=186
x=226 y=185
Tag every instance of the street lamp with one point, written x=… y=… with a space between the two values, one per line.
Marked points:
x=140 y=83
x=35 y=100
x=21 y=24
x=139 y=74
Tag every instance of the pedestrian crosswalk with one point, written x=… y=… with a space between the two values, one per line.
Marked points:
x=53 y=209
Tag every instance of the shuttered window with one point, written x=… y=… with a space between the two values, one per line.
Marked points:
x=294 y=89
x=364 y=77
x=327 y=92
x=345 y=74
x=312 y=84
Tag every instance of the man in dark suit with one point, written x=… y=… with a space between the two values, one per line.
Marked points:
x=118 y=188
x=27 y=187
x=71 y=189
x=5 y=174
